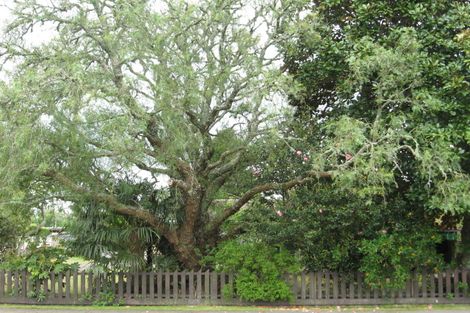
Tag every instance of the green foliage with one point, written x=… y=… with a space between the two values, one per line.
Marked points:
x=105 y=298
x=109 y=239
x=258 y=269
x=399 y=69
x=12 y=229
x=40 y=262
x=390 y=259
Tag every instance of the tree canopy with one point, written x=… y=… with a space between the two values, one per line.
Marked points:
x=167 y=118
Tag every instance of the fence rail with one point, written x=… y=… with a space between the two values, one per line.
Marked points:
x=319 y=288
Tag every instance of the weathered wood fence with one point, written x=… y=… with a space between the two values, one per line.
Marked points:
x=320 y=288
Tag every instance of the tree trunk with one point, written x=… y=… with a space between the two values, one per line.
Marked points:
x=188 y=257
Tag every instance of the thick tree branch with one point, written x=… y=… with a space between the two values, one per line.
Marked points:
x=250 y=194
x=111 y=202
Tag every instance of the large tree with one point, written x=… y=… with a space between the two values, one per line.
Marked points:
x=142 y=91
x=154 y=92
x=350 y=56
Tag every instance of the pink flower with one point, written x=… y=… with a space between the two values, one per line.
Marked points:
x=279 y=213
x=298 y=153
x=305 y=158
x=348 y=156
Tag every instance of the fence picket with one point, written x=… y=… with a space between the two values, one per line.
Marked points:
x=440 y=282
x=128 y=286
x=199 y=285
x=175 y=285
x=191 y=285
x=167 y=285
x=9 y=283
x=343 y=286
x=213 y=284
x=2 y=283
x=152 y=285
x=456 y=283
x=311 y=288
x=135 y=291
x=432 y=285
x=351 y=288
x=230 y=282
x=17 y=284
x=327 y=285
x=52 y=279
x=159 y=285
x=67 y=285
x=206 y=285
x=24 y=284
x=335 y=285
x=120 y=286
x=82 y=285
x=464 y=282
x=448 y=283
x=60 y=287
x=183 y=285
x=75 y=285
x=143 y=285
x=319 y=285
x=222 y=283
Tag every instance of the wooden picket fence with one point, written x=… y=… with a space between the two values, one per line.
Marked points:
x=164 y=288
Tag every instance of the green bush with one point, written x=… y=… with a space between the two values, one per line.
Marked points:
x=39 y=262
x=390 y=259
x=258 y=270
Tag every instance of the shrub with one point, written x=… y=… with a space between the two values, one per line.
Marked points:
x=390 y=259
x=258 y=270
